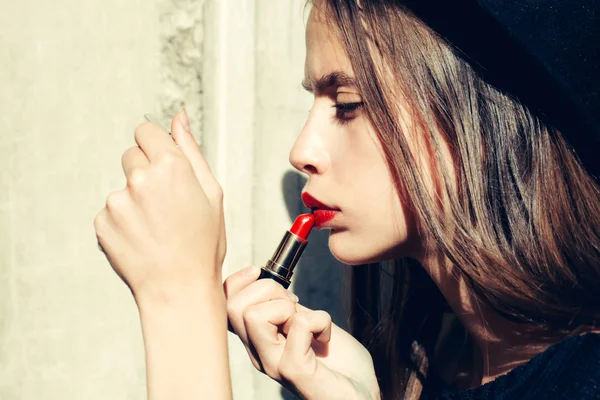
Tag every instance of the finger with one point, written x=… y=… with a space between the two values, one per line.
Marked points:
x=105 y=234
x=153 y=140
x=298 y=363
x=319 y=324
x=255 y=293
x=182 y=135
x=102 y=226
x=239 y=280
x=119 y=207
x=133 y=158
x=266 y=342
x=236 y=282
x=263 y=320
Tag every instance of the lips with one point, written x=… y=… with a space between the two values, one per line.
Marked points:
x=323 y=213
x=313 y=203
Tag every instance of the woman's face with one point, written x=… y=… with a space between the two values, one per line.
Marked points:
x=342 y=156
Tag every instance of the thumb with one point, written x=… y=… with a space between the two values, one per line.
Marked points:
x=239 y=280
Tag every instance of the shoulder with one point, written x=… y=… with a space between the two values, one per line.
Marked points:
x=569 y=369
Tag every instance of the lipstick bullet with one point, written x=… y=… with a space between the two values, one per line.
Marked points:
x=281 y=265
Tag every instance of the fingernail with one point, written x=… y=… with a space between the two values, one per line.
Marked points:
x=185 y=121
x=292 y=296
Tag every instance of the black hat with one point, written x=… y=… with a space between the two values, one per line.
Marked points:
x=543 y=52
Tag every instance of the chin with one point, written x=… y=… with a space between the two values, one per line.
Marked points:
x=350 y=249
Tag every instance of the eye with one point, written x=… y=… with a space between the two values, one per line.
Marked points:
x=345 y=112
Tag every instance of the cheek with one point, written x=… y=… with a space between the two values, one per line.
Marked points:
x=377 y=226
x=378 y=233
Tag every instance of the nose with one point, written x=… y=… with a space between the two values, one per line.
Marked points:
x=309 y=155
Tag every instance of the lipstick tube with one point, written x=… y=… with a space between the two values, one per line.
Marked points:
x=280 y=266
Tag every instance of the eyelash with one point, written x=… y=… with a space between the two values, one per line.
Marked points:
x=342 y=111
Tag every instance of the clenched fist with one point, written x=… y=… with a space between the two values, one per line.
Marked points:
x=164 y=231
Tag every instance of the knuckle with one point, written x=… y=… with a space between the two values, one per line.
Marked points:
x=125 y=155
x=299 y=321
x=288 y=309
x=166 y=158
x=232 y=311
x=137 y=178
x=99 y=223
x=323 y=316
x=173 y=161
x=227 y=289
x=129 y=152
x=115 y=200
x=233 y=284
x=251 y=315
x=141 y=130
x=230 y=290
x=229 y=307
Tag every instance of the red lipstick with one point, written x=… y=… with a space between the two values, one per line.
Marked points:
x=303 y=225
x=281 y=265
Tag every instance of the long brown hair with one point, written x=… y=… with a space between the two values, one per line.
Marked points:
x=521 y=217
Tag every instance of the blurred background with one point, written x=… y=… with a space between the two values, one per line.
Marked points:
x=76 y=79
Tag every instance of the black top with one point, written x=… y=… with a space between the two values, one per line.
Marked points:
x=567 y=370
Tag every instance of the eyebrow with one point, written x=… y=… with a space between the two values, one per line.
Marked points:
x=335 y=78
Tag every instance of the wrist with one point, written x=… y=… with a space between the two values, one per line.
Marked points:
x=181 y=296
x=185 y=339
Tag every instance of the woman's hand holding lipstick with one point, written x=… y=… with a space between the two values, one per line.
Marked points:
x=296 y=346
x=164 y=235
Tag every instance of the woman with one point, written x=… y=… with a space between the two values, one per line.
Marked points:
x=475 y=203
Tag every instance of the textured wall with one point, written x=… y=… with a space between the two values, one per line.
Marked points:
x=76 y=79
x=181 y=34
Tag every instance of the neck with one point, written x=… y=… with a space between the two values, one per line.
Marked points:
x=500 y=345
